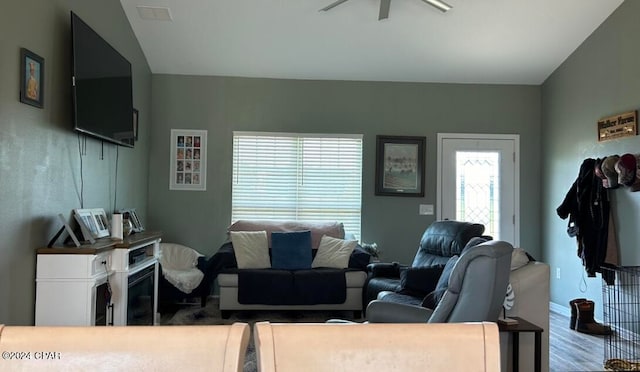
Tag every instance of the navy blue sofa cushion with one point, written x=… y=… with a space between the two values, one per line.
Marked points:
x=265 y=286
x=291 y=287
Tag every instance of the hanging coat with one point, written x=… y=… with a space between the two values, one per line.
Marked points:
x=587 y=206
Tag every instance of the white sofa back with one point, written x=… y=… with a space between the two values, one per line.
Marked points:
x=315 y=347
x=139 y=348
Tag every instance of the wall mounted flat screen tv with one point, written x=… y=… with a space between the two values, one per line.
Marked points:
x=102 y=87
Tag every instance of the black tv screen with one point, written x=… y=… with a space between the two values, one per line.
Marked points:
x=102 y=87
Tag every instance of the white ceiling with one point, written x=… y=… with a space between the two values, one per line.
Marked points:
x=478 y=41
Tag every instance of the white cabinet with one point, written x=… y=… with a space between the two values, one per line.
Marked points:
x=106 y=283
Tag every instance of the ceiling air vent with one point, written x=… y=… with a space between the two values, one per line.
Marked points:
x=154 y=13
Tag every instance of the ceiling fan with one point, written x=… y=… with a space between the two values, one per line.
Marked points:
x=386 y=4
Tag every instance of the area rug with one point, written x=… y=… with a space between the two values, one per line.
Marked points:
x=193 y=314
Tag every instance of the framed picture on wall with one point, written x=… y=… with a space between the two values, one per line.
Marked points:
x=400 y=165
x=31 y=78
x=188 y=167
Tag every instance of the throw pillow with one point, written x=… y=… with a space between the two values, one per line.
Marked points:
x=418 y=281
x=251 y=249
x=291 y=250
x=334 y=253
x=519 y=258
x=359 y=259
x=432 y=299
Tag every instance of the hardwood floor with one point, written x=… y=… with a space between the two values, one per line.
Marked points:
x=573 y=351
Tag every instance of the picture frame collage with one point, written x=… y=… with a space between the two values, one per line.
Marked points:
x=188 y=168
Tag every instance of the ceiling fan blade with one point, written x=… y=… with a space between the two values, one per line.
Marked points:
x=384 y=9
x=439 y=4
x=333 y=5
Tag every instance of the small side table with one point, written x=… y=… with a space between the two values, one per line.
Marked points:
x=515 y=330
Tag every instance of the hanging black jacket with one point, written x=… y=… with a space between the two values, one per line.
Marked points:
x=587 y=206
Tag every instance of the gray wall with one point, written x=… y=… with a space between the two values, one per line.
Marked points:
x=39 y=158
x=223 y=104
x=599 y=79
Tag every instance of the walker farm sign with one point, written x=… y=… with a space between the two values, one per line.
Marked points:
x=618 y=126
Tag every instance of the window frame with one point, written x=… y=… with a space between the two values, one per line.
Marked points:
x=306 y=156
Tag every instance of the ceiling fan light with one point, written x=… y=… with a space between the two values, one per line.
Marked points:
x=441 y=5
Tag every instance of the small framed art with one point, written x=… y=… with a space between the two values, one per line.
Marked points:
x=400 y=165
x=131 y=215
x=65 y=226
x=93 y=223
x=188 y=168
x=31 y=78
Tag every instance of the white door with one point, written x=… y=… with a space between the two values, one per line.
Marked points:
x=478 y=181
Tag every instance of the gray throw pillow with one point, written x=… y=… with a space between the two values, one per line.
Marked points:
x=432 y=299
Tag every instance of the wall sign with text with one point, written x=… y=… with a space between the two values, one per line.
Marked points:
x=618 y=126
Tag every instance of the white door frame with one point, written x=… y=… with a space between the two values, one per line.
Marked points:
x=516 y=185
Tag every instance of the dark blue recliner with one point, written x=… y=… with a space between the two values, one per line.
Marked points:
x=440 y=241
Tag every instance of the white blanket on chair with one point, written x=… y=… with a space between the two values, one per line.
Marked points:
x=179 y=266
x=185 y=280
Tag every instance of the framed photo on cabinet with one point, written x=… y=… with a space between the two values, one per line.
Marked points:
x=131 y=215
x=93 y=223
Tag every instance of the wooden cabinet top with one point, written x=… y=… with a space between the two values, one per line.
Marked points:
x=105 y=244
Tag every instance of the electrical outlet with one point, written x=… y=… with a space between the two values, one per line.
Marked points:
x=557 y=273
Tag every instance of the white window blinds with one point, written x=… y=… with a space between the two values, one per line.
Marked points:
x=288 y=176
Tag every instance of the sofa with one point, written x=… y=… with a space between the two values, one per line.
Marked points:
x=291 y=266
x=432 y=347
x=529 y=280
x=140 y=348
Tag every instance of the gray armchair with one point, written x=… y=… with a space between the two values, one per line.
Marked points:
x=475 y=290
x=440 y=241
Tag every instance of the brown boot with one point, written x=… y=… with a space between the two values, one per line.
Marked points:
x=585 y=323
x=574 y=311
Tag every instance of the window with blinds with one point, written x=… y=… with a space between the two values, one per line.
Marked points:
x=289 y=176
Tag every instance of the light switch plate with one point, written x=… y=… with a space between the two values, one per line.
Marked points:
x=426 y=209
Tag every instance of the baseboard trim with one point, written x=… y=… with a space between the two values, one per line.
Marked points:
x=560 y=309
